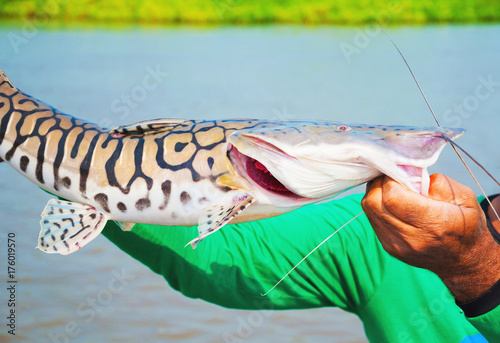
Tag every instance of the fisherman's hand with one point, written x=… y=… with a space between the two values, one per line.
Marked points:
x=445 y=233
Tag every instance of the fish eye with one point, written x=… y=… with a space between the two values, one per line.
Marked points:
x=344 y=128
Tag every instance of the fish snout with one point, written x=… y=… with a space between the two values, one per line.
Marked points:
x=452 y=133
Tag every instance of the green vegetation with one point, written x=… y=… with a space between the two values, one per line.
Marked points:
x=253 y=11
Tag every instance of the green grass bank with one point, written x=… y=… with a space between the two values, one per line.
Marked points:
x=343 y=12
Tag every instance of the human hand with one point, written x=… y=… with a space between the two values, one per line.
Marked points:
x=445 y=232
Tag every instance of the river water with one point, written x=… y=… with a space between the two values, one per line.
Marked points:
x=119 y=76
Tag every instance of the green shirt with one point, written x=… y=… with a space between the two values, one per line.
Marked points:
x=396 y=302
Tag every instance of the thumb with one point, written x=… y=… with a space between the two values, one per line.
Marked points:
x=444 y=188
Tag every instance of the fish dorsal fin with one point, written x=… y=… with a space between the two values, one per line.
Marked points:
x=214 y=217
x=6 y=85
x=68 y=226
x=5 y=78
x=147 y=127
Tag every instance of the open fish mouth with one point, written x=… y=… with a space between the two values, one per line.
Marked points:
x=323 y=165
x=257 y=172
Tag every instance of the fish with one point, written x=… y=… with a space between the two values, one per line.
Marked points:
x=181 y=172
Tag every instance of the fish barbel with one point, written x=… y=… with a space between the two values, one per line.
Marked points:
x=196 y=172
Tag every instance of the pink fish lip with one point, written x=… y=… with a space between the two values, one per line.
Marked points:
x=259 y=174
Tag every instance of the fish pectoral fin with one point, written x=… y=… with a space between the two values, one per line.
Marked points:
x=147 y=127
x=212 y=218
x=68 y=226
x=125 y=226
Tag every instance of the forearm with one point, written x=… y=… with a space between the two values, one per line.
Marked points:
x=478 y=272
x=483 y=311
x=234 y=266
x=445 y=233
x=206 y=272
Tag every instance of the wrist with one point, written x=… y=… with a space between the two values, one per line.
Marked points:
x=478 y=271
x=483 y=304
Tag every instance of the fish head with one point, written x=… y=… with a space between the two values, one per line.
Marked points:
x=312 y=161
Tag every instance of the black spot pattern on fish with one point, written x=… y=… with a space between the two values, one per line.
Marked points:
x=180 y=146
x=102 y=199
x=122 y=207
x=63 y=235
x=166 y=188
x=185 y=197
x=70 y=220
x=142 y=204
x=23 y=163
x=66 y=182
x=210 y=162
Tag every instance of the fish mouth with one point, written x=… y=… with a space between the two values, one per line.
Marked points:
x=415 y=156
x=315 y=168
x=415 y=178
x=259 y=174
x=262 y=176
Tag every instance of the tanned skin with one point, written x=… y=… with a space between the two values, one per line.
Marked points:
x=445 y=233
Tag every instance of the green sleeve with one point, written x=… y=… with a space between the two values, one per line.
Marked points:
x=233 y=266
x=488 y=324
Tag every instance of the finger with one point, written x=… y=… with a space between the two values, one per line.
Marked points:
x=406 y=205
x=441 y=188
x=444 y=188
x=373 y=197
x=385 y=224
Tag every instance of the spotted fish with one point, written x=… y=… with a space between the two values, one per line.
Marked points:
x=195 y=172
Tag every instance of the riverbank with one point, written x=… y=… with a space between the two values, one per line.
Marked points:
x=203 y=12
